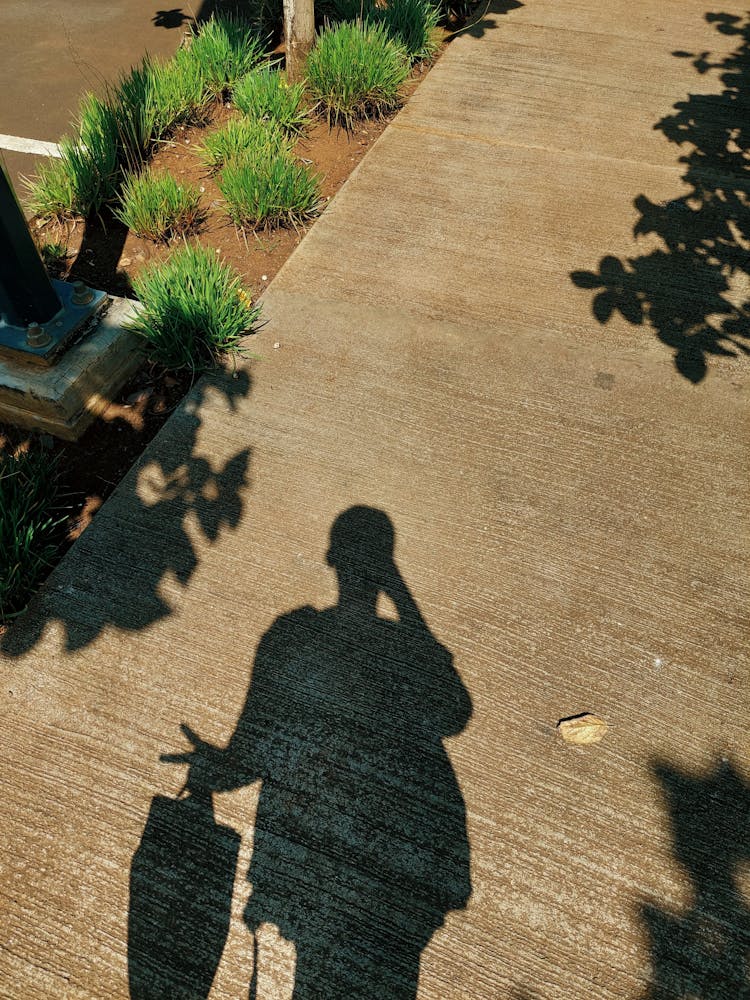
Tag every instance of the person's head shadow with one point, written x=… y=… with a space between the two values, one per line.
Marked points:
x=360 y=553
x=360 y=846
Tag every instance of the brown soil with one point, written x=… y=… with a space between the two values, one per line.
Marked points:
x=107 y=256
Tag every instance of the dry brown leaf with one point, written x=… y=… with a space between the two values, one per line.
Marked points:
x=582 y=730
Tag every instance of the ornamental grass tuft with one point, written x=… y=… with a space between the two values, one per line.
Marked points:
x=136 y=113
x=29 y=520
x=239 y=137
x=85 y=176
x=265 y=95
x=50 y=194
x=115 y=135
x=179 y=94
x=265 y=190
x=55 y=256
x=194 y=309
x=356 y=71
x=412 y=23
x=157 y=207
x=225 y=49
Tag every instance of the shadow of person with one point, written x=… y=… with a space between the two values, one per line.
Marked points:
x=360 y=846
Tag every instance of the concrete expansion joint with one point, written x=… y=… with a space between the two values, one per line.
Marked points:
x=567 y=31
x=447 y=133
x=504 y=144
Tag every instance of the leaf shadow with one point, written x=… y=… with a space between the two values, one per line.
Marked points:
x=144 y=535
x=684 y=290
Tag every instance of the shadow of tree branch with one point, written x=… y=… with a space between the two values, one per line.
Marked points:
x=702 y=953
x=686 y=290
x=141 y=536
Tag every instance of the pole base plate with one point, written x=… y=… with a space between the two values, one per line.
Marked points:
x=58 y=333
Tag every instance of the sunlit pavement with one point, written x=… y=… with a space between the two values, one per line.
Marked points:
x=474 y=342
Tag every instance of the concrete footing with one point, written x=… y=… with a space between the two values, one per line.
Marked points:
x=65 y=398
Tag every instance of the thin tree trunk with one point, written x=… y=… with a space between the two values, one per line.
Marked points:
x=299 y=34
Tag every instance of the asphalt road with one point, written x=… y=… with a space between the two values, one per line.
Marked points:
x=51 y=52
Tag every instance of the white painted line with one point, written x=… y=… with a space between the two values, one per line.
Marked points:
x=35 y=146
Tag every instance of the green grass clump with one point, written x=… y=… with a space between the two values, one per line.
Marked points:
x=50 y=192
x=150 y=100
x=29 y=517
x=178 y=94
x=241 y=136
x=115 y=136
x=109 y=133
x=97 y=151
x=356 y=71
x=153 y=98
x=55 y=256
x=194 y=310
x=269 y=190
x=136 y=113
x=264 y=94
x=414 y=24
x=157 y=207
x=225 y=49
x=86 y=175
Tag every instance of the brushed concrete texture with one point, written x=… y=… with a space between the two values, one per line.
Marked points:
x=571 y=518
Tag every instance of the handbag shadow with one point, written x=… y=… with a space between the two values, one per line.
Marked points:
x=181 y=883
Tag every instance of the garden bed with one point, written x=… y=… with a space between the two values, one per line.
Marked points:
x=104 y=254
x=107 y=256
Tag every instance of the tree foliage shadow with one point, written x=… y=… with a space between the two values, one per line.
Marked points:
x=683 y=290
x=487 y=22
x=360 y=846
x=269 y=13
x=177 y=17
x=139 y=541
x=703 y=953
x=173 y=17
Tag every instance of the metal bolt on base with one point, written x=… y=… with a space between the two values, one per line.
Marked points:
x=82 y=294
x=39 y=318
x=37 y=336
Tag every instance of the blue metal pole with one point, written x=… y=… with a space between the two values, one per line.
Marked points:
x=26 y=292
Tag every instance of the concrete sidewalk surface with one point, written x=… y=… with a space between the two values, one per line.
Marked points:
x=548 y=499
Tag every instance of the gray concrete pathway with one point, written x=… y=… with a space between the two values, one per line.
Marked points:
x=570 y=510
